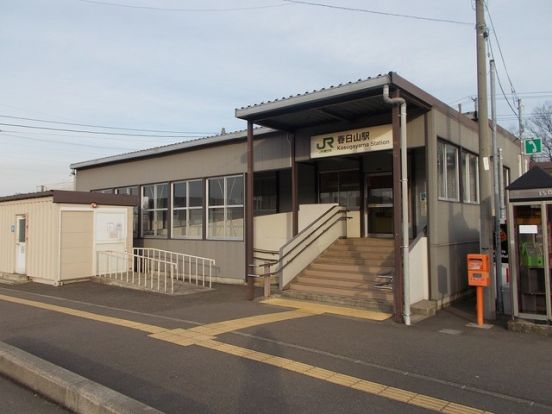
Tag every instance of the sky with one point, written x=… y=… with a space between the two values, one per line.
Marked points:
x=184 y=65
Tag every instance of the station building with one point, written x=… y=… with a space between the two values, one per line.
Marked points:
x=313 y=186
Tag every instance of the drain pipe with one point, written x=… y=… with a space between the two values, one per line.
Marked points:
x=404 y=199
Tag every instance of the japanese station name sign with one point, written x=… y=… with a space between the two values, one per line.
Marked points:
x=354 y=141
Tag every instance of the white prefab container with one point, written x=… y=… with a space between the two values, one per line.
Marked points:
x=52 y=237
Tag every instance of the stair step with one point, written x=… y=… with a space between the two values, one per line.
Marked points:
x=365 y=266
x=372 y=271
x=340 y=268
x=344 y=249
x=370 y=304
x=366 y=241
x=361 y=284
x=383 y=295
x=348 y=261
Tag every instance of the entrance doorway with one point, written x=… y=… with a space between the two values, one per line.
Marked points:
x=379 y=204
x=20 y=244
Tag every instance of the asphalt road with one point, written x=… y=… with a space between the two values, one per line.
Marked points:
x=494 y=370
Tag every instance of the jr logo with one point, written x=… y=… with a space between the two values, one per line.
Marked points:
x=326 y=144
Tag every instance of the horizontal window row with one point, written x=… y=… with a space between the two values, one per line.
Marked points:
x=181 y=209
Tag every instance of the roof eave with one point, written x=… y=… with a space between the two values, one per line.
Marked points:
x=260 y=110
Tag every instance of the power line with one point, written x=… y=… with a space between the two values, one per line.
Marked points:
x=500 y=82
x=81 y=131
x=354 y=9
x=39 y=133
x=500 y=50
x=104 y=126
x=191 y=10
x=50 y=141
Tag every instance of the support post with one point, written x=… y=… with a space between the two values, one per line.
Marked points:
x=486 y=227
x=249 y=234
x=294 y=190
x=398 y=274
x=521 y=131
x=496 y=184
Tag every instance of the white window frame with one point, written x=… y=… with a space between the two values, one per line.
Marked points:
x=187 y=209
x=224 y=206
x=154 y=209
x=466 y=171
x=444 y=174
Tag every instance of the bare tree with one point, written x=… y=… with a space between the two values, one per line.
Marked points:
x=540 y=124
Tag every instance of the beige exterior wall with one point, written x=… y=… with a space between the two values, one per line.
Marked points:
x=270 y=153
x=42 y=244
x=76 y=244
x=454 y=226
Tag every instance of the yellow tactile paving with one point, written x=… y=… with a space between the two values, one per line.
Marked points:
x=369 y=387
x=319 y=308
x=242 y=323
x=204 y=336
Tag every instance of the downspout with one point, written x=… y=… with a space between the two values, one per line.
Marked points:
x=404 y=201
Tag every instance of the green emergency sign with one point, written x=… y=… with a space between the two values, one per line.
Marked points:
x=532 y=146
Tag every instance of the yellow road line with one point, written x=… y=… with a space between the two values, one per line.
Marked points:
x=333 y=309
x=86 y=315
x=206 y=338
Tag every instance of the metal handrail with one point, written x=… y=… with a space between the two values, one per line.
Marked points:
x=141 y=267
x=193 y=268
x=302 y=232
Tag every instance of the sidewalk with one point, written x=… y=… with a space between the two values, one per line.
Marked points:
x=494 y=370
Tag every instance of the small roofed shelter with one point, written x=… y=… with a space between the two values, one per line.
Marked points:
x=530 y=244
x=52 y=237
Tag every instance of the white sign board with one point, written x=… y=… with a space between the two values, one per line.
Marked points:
x=528 y=229
x=354 y=141
x=110 y=227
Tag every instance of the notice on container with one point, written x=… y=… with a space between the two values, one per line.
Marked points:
x=354 y=141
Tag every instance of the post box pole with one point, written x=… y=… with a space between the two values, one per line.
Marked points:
x=479 y=292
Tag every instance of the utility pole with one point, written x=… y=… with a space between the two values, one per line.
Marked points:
x=486 y=228
x=497 y=203
x=521 y=131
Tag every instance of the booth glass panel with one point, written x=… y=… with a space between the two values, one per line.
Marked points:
x=549 y=253
x=530 y=249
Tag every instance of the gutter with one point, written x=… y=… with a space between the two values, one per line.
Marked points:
x=404 y=201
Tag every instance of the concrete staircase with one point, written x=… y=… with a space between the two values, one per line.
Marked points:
x=351 y=272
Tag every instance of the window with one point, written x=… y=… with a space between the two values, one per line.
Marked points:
x=105 y=191
x=447 y=171
x=340 y=187
x=155 y=202
x=132 y=191
x=470 y=177
x=187 y=209
x=225 y=207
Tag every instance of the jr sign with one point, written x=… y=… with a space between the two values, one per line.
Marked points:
x=351 y=142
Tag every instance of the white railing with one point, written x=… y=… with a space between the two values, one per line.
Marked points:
x=194 y=269
x=148 y=272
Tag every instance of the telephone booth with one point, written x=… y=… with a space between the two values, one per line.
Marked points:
x=530 y=244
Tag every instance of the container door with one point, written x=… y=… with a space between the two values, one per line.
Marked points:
x=20 y=244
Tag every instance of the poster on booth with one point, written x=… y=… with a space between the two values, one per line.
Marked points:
x=110 y=227
x=353 y=141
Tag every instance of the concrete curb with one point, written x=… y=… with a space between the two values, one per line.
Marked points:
x=65 y=387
